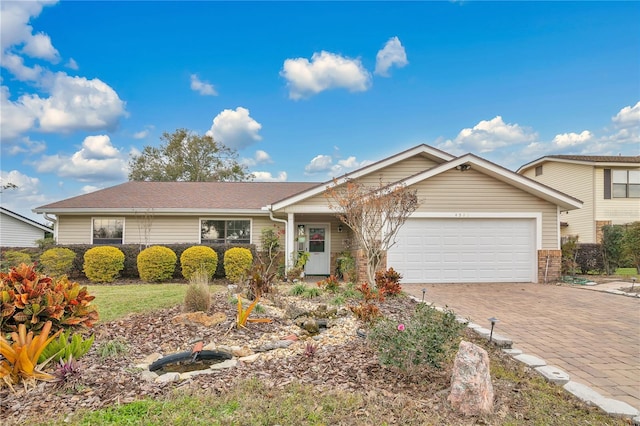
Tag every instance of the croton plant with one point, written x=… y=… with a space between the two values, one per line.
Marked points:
x=32 y=299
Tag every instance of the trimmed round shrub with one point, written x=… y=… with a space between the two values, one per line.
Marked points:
x=13 y=258
x=156 y=264
x=237 y=261
x=57 y=261
x=103 y=264
x=198 y=257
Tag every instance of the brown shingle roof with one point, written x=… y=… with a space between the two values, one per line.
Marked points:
x=186 y=195
x=599 y=158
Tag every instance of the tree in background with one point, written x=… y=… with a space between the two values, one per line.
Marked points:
x=631 y=244
x=612 y=247
x=188 y=157
x=374 y=214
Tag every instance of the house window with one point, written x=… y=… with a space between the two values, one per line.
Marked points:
x=538 y=170
x=626 y=183
x=108 y=230
x=225 y=231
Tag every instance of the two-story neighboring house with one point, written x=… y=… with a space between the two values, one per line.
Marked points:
x=609 y=187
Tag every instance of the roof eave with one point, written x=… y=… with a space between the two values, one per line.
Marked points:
x=153 y=211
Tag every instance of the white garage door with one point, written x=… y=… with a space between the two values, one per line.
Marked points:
x=465 y=250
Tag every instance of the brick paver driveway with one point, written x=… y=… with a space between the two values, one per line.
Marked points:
x=593 y=336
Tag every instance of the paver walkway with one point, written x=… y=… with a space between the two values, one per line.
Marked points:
x=593 y=336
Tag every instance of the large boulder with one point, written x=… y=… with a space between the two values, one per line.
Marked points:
x=471 y=388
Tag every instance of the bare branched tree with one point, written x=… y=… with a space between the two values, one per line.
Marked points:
x=374 y=214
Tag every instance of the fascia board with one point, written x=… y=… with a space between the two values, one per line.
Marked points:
x=160 y=212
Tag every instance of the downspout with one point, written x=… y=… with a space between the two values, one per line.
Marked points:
x=286 y=239
x=55 y=225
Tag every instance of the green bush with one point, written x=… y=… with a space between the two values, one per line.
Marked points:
x=103 y=264
x=428 y=337
x=237 y=261
x=197 y=257
x=57 y=261
x=612 y=247
x=13 y=258
x=156 y=264
x=66 y=347
x=631 y=245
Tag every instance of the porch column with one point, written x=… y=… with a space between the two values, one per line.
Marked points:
x=290 y=246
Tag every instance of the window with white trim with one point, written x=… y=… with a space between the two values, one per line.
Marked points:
x=225 y=231
x=625 y=183
x=108 y=230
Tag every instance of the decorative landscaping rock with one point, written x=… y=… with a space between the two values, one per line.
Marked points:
x=471 y=387
x=199 y=318
x=281 y=344
x=249 y=359
x=311 y=326
x=241 y=351
x=168 y=378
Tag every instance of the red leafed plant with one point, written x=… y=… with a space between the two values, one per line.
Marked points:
x=389 y=281
x=32 y=299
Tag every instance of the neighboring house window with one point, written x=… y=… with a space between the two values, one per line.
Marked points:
x=107 y=230
x=626 y=183
x=225 y=231
x=538 y=170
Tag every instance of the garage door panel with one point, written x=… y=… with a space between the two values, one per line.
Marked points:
x=465 y=250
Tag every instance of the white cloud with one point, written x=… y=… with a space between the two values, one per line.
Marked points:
x=319 y=163
x=141 y=134
x=72 y=64
x=392 y=54
x=260 y=157
x=628 y=116
x=97 y=160
x=26 y=196
x=268 y=177
x=16 y=31
x=202 y=87
x=15 y=119
x=24 y=146
x=325 y=71
x=325 y=163
x=235 y=128
x=89 y=188
x=15 y=65
x=569 y=140
x=487 y=136
x=76 y=103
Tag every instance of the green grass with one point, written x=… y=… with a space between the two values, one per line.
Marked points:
x=627 y=272
x=116 y=301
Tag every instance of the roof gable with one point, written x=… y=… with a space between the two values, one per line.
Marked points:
x=470 y=161
x=423 y=149
x=590 y=160
x=25 y=219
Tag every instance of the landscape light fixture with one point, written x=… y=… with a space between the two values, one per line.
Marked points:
x=424 y=290
x=633 y=283
x=493 y=321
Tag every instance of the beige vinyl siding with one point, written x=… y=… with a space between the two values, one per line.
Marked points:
x=162 y=229
x=74 y=229
x=399 y=171
x=393 y=173
x=471 y=191
x=576 y=180
x=618 y=210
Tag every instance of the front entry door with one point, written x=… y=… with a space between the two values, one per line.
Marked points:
x=318 y=248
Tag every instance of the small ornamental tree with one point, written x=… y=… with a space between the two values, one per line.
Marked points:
x=374 y=213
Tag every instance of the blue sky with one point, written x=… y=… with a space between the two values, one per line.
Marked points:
x=305 y=91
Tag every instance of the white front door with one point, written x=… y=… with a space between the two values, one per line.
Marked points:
x=317 y=245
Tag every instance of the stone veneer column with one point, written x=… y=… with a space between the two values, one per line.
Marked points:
x=599 y=225
x=552 y=268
